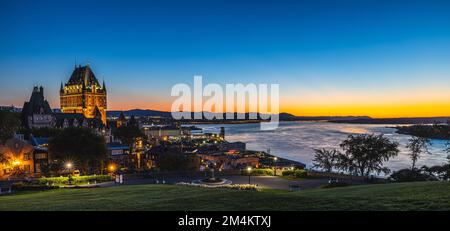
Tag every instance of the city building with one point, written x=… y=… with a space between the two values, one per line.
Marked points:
x=161 y=132
x=227 y=161
x=121 y=121
x=19 y=160
x=83 y=94
x=41 y=158
x=232 y=146
x=66 y=120
x=36 y=113
x=10 y=108
x=118 y=153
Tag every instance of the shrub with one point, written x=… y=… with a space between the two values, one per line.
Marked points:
x=299 y=173
x=75 y=180
x=259 y=171
x=52 y=180
x=249 y=187
x=441 y=172
x=408 y=175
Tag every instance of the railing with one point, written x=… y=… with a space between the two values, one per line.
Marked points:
x=318 y=174
x=170 y=174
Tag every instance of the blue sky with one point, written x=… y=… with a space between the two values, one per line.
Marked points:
x=314 y=49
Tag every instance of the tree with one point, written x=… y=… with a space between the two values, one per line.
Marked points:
x=325 y=159
x=173 y=160
x=9 y=124
x=365 y=153
x=129 y=134
x=81 y=145
x=441 y=172
x=417 y=146
x=45 y=132
x=409 y=175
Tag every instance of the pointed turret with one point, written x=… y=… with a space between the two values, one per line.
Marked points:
x=61 y=89
x=122 y=117
x=104 y=86
x=85 y=75
x=121 y=121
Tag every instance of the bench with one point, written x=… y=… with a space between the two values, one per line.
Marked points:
x=294 y=187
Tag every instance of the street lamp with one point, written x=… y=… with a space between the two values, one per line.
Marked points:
x=249 y=170
x=275 y=165
x=69 y=166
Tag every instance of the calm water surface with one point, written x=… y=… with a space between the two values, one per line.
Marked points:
x=296 y=140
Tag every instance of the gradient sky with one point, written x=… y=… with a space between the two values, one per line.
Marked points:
x=376 y=58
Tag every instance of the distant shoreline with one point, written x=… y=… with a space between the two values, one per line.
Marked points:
x=441 y=132
x=290 y=117
x=401 y=121
x=224 y=122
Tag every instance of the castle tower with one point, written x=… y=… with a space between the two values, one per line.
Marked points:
x=37 y=113
x=222 y=133
x=121 y=121
x=83 y=94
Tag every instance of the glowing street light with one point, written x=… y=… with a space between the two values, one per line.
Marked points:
x=111 y=168
x=249 y=170
x=69 y=165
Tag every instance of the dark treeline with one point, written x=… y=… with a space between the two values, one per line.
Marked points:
x=427 y=131
x=417 y=120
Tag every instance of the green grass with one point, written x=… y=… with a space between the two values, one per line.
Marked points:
x=400 y=196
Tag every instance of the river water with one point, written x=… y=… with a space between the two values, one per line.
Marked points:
x=296 y=140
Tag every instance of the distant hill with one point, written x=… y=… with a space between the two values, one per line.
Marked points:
x=289 y=117
x=283 y=116
x=416 y=120
x=146 y=112
x=331 y=118
x=139 y=112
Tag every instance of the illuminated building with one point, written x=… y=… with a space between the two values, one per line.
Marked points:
x=19 y=159
x=122 y=121
x=83 y=94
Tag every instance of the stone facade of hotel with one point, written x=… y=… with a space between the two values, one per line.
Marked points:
x=83 y=94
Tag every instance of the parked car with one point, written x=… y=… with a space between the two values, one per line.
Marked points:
x=76 y=172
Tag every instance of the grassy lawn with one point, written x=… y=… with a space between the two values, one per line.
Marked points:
x=400 y=196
